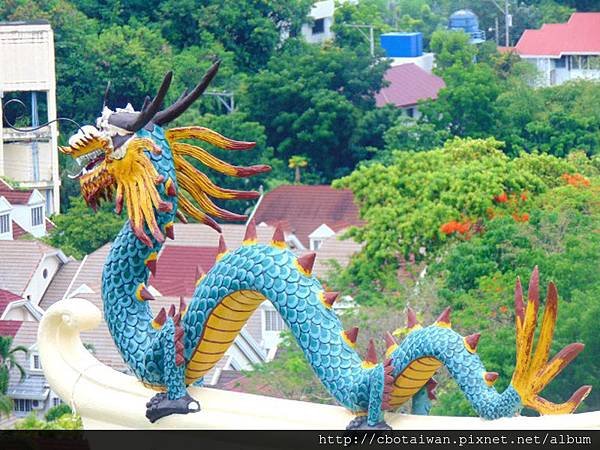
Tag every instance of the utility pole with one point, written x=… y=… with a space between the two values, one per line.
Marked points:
x=507 y=20
x=370 y=37
x=226 y=98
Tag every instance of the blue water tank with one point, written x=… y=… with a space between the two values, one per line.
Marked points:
x=467 y=21
x=402 y=45
x=464 y=19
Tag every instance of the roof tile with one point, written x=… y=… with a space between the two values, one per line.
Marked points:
x=408 y=84
x=581 y=34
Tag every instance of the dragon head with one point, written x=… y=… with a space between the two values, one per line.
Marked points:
x=115 y=157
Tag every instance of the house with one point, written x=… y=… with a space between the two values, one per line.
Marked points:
x=27 y=75
x=407 y=84
x=322 y=15
x=312 y=214
x=22 y=213
x=564 y=51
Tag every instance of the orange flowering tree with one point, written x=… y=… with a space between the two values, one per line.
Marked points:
x=418 y=201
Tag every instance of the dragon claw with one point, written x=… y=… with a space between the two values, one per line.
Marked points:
x=361 y=423
x=161 y=406
x=533 y=370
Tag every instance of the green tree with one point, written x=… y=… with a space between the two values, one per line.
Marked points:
x=8 y=362
x=406 y=202
x=80 y=231
x=297 y=162
x=58 y=411
x=467 y=105
x=452 y=48
x=310 y=98
x=478 y=277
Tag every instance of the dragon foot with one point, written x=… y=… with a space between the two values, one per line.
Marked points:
x=160 y=406
x=361 y=423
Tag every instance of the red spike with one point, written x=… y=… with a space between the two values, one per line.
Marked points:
x=159 y=179
x=172 y=311
x=278 y=236
x=533 y=293
x=472 y=340
x=490 y=377
x=178 y=334
x=431 y=385
x=161 y=317
x=181 y=217
x=119 y=204
x=387 y=388
x=179 y=360
x=145 y=294
x=444 y=317
x=177 y=319
x=411 y=318
x=388 y=379
x=165 y=206
x=371 y=353
x=306 y=262
x=567 y=354
x=170 y=188
x=388 y=369
x=580 y=395
x=151 y=265
x=331 y=297
x=250 y=235
x=222 y=246
x=389 y=340
x=385 y=405
x=169 y=231
x=519 y=305
x=352 y=334
x=182 y=305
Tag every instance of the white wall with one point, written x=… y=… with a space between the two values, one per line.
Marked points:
x=38 y=284
x=27 y=64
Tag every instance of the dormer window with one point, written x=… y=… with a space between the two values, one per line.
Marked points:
x=37 y=216
x=35 y=362
x=4 y=223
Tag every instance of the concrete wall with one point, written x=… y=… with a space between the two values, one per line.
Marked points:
x=27 y=64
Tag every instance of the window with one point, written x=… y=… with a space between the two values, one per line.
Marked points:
x=37 y=215
x=315 y=244
x=4 y=223
x=561 y=63
x=35 y=362
x=273 y=321
x=22 y=405
x=318 y=26
x=56 y=401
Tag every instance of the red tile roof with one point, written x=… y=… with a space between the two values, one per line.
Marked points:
x=302 y=209
x=176 y=268
x=581 y=34
x=7 y=297
x=17 y=230
x=14 y=196
x=408 y=84
x=9 y=328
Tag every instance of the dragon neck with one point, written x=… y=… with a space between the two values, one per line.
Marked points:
x=125 y=275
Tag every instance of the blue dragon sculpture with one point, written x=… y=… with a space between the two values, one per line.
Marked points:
x=130 y=155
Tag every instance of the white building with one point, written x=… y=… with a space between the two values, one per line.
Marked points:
x=564 y=51
x=27 y=71
x=322 y=19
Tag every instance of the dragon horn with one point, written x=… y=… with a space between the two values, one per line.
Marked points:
x=250 y=236
x=181 y=105
x=306 y=263
x=443 y=319
x=371 y=353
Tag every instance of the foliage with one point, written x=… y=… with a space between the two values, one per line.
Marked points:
x=8 y=362
x=80 y=231
x=58 y=411
x=64 y=422
x=287 y=376
x=309 y=100
x=479 y=274
x=452 y=48
x=406 y=201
